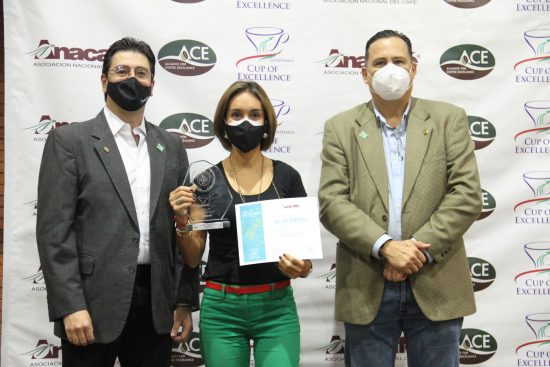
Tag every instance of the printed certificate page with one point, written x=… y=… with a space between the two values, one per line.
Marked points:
x=268 y=229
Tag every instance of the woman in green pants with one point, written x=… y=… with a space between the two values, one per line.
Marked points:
x=254 y=302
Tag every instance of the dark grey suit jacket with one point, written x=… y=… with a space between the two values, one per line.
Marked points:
x=87 y=230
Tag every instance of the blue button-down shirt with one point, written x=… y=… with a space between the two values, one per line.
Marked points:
x=395 y=140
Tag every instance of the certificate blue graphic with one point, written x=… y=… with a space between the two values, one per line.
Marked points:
x=252 y=233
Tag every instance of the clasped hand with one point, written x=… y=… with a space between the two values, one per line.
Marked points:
x=403 y=258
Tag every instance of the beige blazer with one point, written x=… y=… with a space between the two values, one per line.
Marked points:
x=441 y=199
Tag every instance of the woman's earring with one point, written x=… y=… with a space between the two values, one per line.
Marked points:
x=225 y=135
x=265 y=136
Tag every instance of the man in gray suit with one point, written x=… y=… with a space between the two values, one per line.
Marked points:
x=105 y=229
x=399 y=188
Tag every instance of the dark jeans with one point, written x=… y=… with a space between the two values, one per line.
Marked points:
x=138 y=345
x=429 y=343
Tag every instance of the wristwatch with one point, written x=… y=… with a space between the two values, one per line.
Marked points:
x=310 y=269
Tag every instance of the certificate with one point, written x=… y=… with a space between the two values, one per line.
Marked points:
x=268 y=229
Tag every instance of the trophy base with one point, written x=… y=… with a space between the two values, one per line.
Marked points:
x=205 y=226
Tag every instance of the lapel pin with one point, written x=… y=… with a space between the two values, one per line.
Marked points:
x=426 y=131
x=106 y=149
x=160 y=147
x=363 y=135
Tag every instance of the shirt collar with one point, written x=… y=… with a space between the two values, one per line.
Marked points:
x=116 y=124
x=382 y=119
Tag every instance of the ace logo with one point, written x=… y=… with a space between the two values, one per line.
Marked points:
x=194 y=130
x=187 y=57
x=482 y=272
x=489 y=204
x=467 y=62
x=188 y=354
x=482 y=131
x=467 y=4
x=476 y=346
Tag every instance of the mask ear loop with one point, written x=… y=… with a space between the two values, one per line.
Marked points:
x=413 y=64
x=365 y=81
x=225 y=132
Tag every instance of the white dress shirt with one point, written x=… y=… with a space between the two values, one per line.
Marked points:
x=136 y=162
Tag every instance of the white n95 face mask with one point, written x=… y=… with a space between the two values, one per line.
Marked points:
x=391 y=82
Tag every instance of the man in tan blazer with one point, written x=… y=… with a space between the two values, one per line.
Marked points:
x=399 y=188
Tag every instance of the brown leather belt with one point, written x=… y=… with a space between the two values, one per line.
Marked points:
x=247 y=289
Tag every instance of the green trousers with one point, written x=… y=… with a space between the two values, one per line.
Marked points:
x=228 y=322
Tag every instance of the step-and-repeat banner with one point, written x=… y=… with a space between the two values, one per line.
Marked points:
x=490 y=57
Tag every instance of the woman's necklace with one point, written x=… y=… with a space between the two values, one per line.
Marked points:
x=237 y=181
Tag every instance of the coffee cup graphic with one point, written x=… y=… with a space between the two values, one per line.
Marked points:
x=538 y=182
x=539 y=253
x=538 y=40
x=539 y=323
x=281 y=109
x=539 y=112
x=267 y=39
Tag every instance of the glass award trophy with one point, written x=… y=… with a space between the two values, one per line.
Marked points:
x=213 y=197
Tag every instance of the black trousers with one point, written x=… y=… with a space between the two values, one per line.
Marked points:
x=138 y=346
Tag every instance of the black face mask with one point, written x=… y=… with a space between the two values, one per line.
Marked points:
x=245 y=136
x=129 y=94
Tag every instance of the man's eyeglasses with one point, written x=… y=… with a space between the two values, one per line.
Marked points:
x=124 y=71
